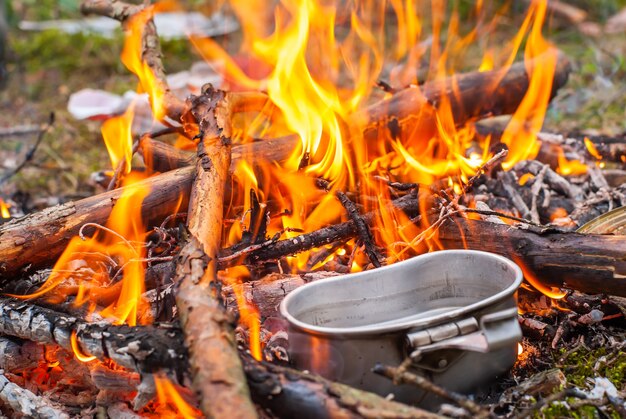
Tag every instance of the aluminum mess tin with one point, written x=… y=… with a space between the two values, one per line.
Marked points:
x=453 y=311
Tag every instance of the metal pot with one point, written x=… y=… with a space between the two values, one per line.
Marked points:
x=453 y=311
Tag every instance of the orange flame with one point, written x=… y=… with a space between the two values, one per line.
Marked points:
x=248 y=312
x=591 y=148
x=170 y=402
x=521 y=132
x=78 y=352
x=132 y=57
x=4 y=209
x=88 y=268
x=552 y=292
x=570 y=167
x=118 y=139
x=319 y=81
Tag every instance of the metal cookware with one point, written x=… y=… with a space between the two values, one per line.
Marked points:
x=453 y=311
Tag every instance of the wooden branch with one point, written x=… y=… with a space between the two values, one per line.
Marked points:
x=267 y=292
x=150 y=46
x=584 y=262
x=216 y=369
x=162 y=157
x=472 y=96
x=37 y=240
x=588 y=263
x=285 y=392
x=141 y=348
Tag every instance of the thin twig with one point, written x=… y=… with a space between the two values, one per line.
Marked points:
x=535 y=189
x=363 y=229
x=406 y=377
x=30 y=153
x=108 y=230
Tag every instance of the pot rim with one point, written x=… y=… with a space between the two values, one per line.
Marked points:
x=454 y=314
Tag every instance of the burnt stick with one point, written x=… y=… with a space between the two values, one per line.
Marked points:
x=145 y=349
x=362 y=228
x=150 y=46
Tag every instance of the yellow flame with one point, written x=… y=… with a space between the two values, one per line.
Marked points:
x=591 y=148
x=570 y=167
x=118 y=139
x=83 y=268
x=132 y=57
x=248 y=312
x=4 y=209
x=520 y=134
x=169 y=396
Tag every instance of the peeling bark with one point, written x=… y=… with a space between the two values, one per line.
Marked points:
x=216 y=370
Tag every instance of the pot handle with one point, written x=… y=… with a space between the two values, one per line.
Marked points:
x=494 y=331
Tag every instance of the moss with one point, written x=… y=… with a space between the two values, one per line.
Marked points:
x=581 y=366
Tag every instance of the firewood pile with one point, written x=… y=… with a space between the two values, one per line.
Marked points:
x=210 y=257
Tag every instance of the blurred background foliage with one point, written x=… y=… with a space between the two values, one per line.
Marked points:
x=44 y=68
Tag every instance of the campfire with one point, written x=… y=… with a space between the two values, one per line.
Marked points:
x=346 y=137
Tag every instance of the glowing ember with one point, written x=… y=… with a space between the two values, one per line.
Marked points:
x=520 y=349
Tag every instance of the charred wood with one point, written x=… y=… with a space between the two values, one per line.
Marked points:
x=144 y=349
x=267 y=292
x=216 y=370
x=413 y=109
x=36 y=240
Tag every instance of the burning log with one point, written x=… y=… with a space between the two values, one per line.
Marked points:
x=587 y=263
x=25 y=403
x=144 y=349
x=38 y=239
x=277 y=389
x=584 y=262
x=412 y=109
x=164 y=157
x=267 y=292
x=216 y=369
